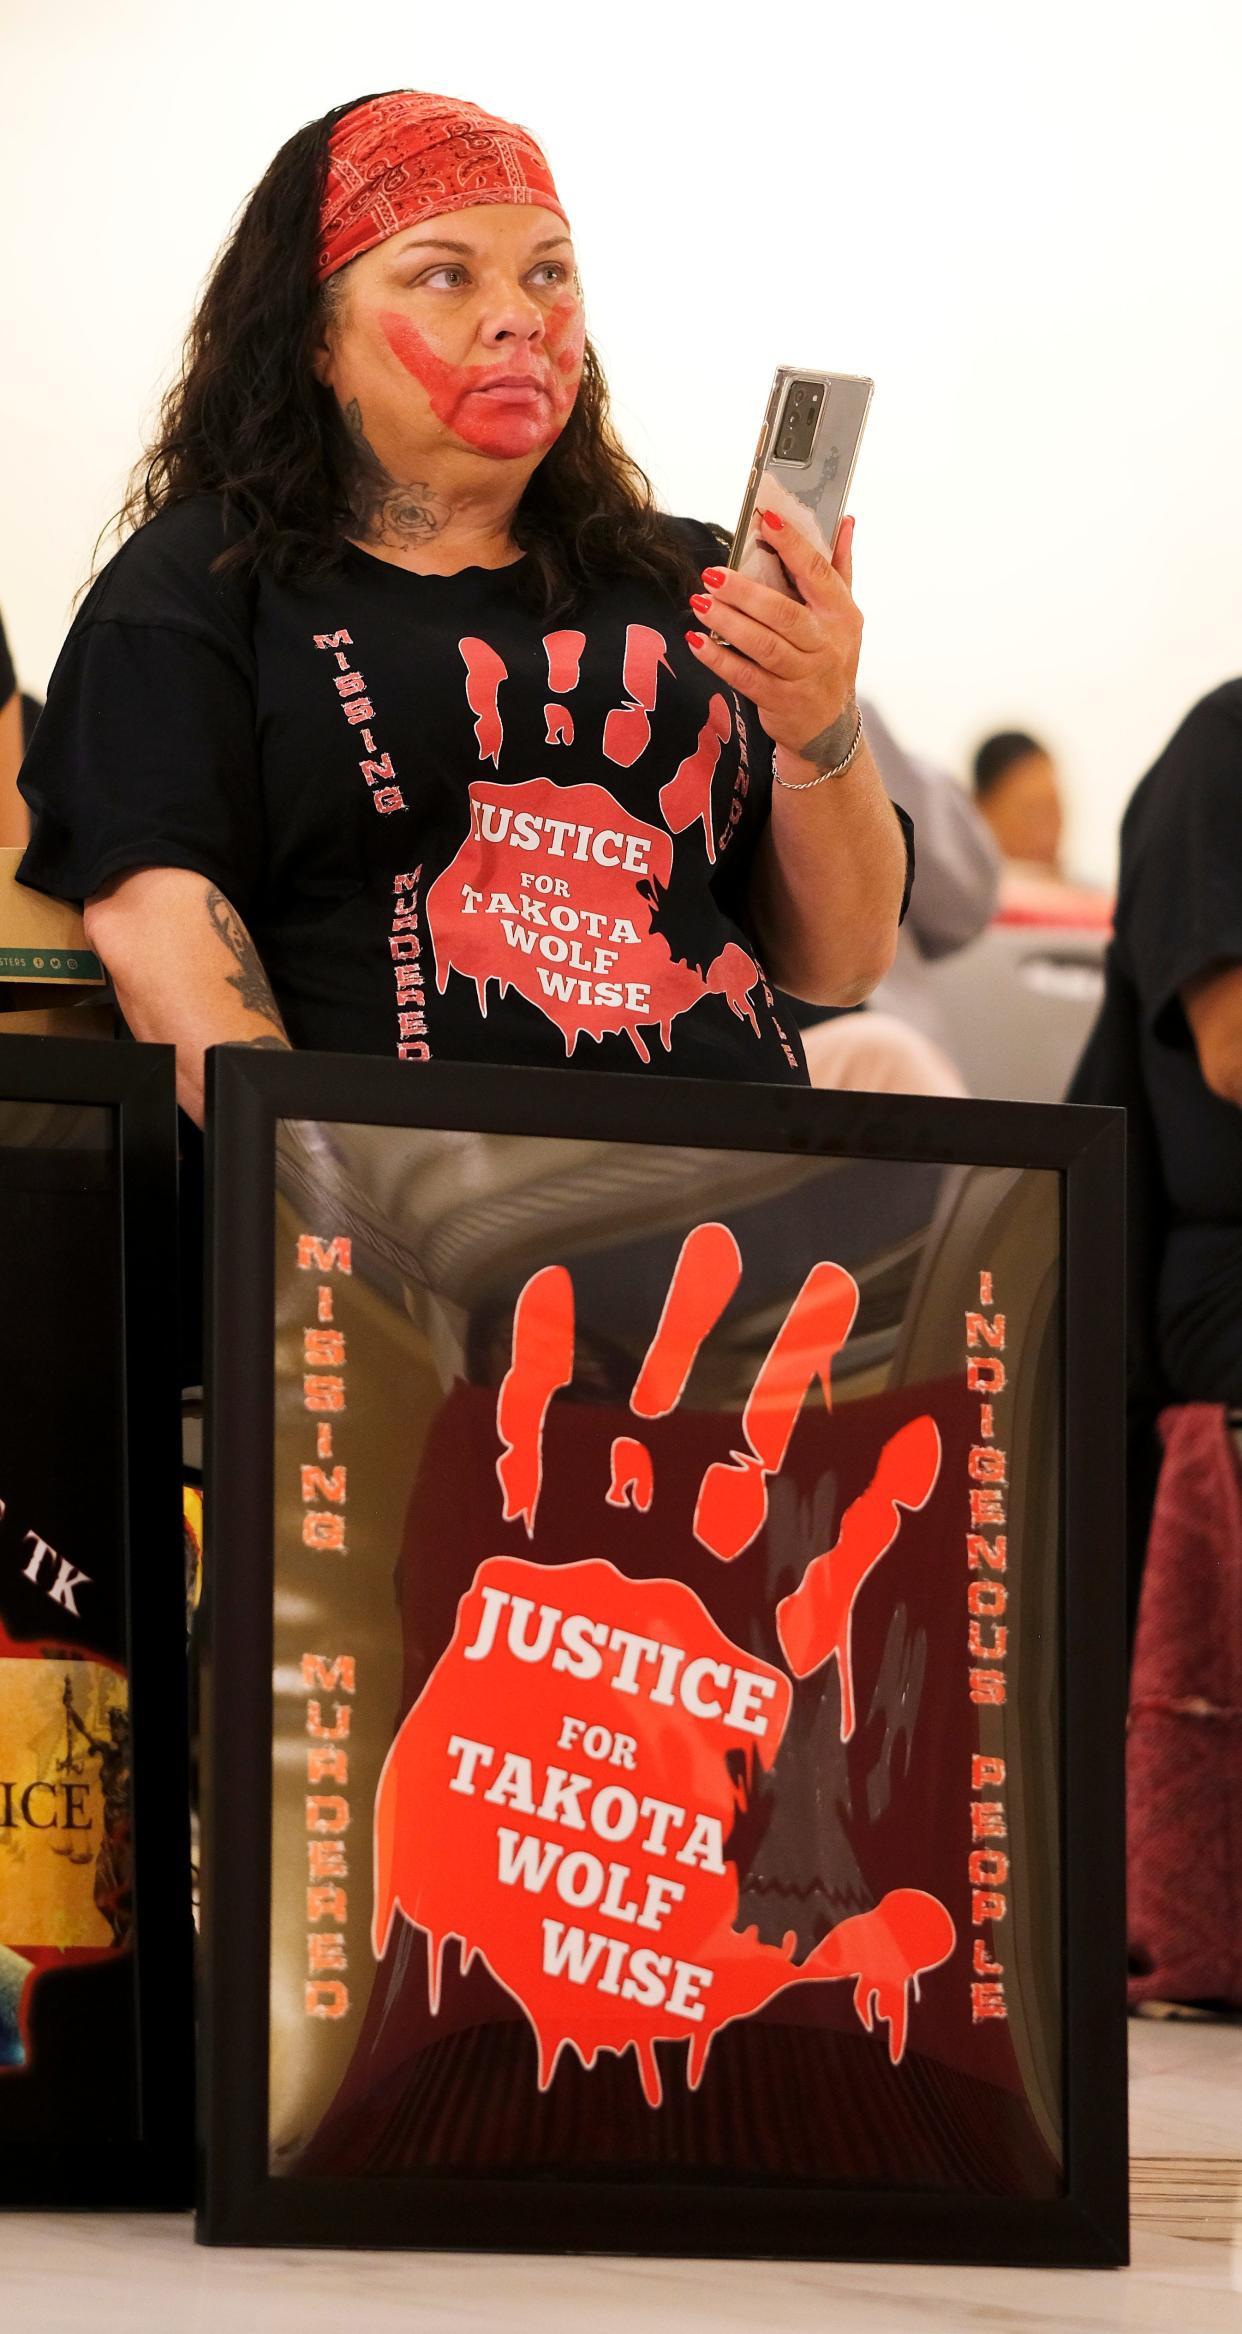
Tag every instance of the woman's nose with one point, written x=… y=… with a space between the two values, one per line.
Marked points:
x=518 y=318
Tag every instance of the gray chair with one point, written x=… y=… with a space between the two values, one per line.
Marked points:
x=1016 y=1006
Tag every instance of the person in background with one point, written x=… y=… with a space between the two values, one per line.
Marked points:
x=1018 y=790
x=959 y=878
x=1018 y=794
x=900 y=1044
x=1167 y=1046
x=13 y=822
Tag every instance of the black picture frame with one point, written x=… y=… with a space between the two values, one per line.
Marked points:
x=73 y=2152
x=1086 y=2224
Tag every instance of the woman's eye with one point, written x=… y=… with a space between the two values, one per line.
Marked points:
x=454 y=277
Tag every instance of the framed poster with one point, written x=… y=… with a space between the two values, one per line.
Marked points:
x=666 y=1668
x=96 y=2050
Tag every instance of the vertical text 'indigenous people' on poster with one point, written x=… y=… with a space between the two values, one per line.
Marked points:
x=665 y=1758
x=67 y=2012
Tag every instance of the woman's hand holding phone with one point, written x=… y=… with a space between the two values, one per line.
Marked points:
x=796 y=659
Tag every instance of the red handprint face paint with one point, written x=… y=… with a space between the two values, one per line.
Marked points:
x=516 y=403
x=473 y=336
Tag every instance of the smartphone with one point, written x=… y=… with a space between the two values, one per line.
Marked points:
x=804 y=464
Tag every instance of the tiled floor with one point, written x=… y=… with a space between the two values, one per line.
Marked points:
x=82 y=2274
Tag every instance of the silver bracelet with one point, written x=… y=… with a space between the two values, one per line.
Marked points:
x=836 y=770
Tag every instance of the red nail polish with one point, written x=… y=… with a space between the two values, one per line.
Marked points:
x=700 y=603
x=695 y=639
x=713 y=577
x=770 y=520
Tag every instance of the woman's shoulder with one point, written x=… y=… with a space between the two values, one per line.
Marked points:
x=165 y=575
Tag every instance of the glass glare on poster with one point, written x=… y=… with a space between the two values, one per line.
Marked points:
x=665 y=1753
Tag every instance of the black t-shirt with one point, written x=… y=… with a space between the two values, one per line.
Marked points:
x=454 y=829
x=1179 y=913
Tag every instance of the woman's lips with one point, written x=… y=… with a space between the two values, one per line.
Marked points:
x=515 y=392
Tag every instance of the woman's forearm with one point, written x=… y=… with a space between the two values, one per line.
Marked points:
x=825 y=895
x=185 y=970
x=826 y=892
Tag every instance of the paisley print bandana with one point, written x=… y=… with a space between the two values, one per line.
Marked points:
x=411 y=156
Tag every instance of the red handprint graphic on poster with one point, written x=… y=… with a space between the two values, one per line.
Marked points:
x=598 y=1890
x=815 y=1622
x=705 y=1277
x=562 y=1796
x=733 y=1500
x=543 y=1360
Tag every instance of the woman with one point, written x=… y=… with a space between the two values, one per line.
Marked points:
x=384 y=732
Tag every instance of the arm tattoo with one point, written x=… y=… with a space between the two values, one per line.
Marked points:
x=250 y=980
x=264 y=1045
x=385 y=511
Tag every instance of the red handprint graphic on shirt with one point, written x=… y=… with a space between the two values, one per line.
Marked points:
x=564 y=654
x=485 y=670
x=555 y=891
x=688 y=794
x=627 y=731
x=562 y=1796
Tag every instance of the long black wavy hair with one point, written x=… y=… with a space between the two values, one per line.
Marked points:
x=246 y=419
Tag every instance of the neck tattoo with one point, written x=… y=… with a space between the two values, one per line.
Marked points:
x=385 y=512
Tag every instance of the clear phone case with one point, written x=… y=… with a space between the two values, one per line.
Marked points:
x=804 y=463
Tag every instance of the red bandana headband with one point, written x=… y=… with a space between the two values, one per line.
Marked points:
x=410 y=156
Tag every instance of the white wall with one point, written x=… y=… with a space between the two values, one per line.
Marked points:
x=1022 y=221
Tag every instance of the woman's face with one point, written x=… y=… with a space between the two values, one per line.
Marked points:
x=464 y=331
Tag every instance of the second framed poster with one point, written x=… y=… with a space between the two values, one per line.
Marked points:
x=96 y=1929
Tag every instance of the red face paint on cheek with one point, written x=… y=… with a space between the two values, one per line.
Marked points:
x=567 y=336
x=459 y=396
x=445 y=384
